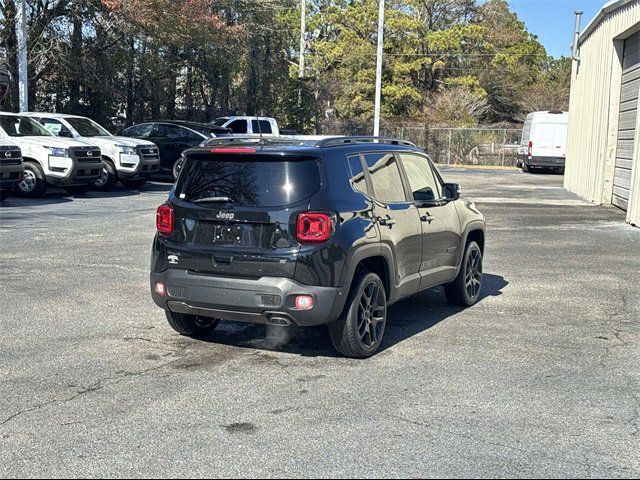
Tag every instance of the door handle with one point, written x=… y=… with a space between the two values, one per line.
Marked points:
x=427 y=218
x=387 y=222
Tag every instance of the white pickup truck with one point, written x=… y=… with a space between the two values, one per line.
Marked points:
x=11 y=168
x=239 y=125
x=129 y=160
x=69 y=163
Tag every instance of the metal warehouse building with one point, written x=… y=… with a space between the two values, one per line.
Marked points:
x=603 y=146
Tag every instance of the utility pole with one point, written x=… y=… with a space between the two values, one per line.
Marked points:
x=376 y=120
x=303 y=26
x=21 y=33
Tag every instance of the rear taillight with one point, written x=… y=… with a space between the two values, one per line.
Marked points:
x=530 y=149
x=314 y=227
x=164 y=219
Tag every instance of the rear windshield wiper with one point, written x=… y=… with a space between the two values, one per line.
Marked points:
x=214 y=200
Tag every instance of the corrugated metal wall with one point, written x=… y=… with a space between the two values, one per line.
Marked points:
x=594 y=112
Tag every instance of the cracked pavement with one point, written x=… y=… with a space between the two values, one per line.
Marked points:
x=540 y=379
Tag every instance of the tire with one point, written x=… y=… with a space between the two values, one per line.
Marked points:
x=191 y=325
x=465 y=290
x=4 y=194
x=175 y=170
x=134 y=184
x=34 y=183
x=78 y=189
x=108 y=177
x=354 y=334
x=525 y=167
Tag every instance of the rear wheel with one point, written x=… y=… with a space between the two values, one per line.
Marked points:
x=191 y=325
x=358 y=332
x=465 y=289
x=134 y=184
x=34 y=183
x=108 y=177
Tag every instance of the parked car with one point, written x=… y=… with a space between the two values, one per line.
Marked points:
x=308 y=233
x=48 y=160
x=129 y=160
x=544 y=141
x=172 y=138
x=11 y=168
x=249 y=125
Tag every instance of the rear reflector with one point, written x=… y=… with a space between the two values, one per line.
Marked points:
x=530 y=149
x=304 y=302
x=233 y=150
x=160 y=289
x=314 y=227
x=164 y=219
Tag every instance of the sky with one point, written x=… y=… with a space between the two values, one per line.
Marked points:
x=553 y=20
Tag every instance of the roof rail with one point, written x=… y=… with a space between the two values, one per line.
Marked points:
x=246 y=139
x=339 y=141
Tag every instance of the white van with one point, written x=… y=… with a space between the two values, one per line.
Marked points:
x=544 y=141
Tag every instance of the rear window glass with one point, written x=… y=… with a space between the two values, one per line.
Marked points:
x=247 y=181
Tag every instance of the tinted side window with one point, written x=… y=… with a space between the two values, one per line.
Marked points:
x=190 y=134
x=422 y=181
x=238 y=126
x=141 y=131
x=263 y=127
x=385 y=177
x=357 y=174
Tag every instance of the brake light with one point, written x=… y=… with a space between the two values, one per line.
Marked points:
x=164 y=219
x=314 y=227
x=233 y=150
x=530 y=150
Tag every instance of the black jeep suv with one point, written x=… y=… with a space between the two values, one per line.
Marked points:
x=309 y=233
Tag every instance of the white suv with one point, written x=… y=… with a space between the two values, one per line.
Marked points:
x=72 y=164
x=126 y=159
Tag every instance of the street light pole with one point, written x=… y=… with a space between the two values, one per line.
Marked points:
x=303 y=27
x=376 y=121
x=21 y=33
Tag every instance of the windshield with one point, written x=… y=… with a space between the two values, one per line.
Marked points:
x=16 y=126
x=87 y=127
x=249 y=181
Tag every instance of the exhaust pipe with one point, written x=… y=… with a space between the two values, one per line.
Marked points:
x=576 y=37
x=279 y=320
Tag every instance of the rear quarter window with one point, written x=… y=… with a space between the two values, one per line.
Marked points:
x=249 y=180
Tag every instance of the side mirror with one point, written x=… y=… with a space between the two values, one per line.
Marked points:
x=451 y=191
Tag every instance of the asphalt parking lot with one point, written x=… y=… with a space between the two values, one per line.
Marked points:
x=540 y=379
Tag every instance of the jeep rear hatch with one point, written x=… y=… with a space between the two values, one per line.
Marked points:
x=236 y=212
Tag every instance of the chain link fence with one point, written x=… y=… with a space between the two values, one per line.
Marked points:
x=486 y=145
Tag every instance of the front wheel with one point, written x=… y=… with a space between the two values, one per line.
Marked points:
x=358 y=332
x=176 y=168
x=191 y=325
x=464 y=291
x=107 y=179
x=134 y=184
x=34 y=183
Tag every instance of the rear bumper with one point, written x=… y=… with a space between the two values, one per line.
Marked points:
x=545 y=162
x=268 y=300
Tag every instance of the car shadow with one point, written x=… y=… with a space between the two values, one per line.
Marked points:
x=57 y=196
x=407 y=318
